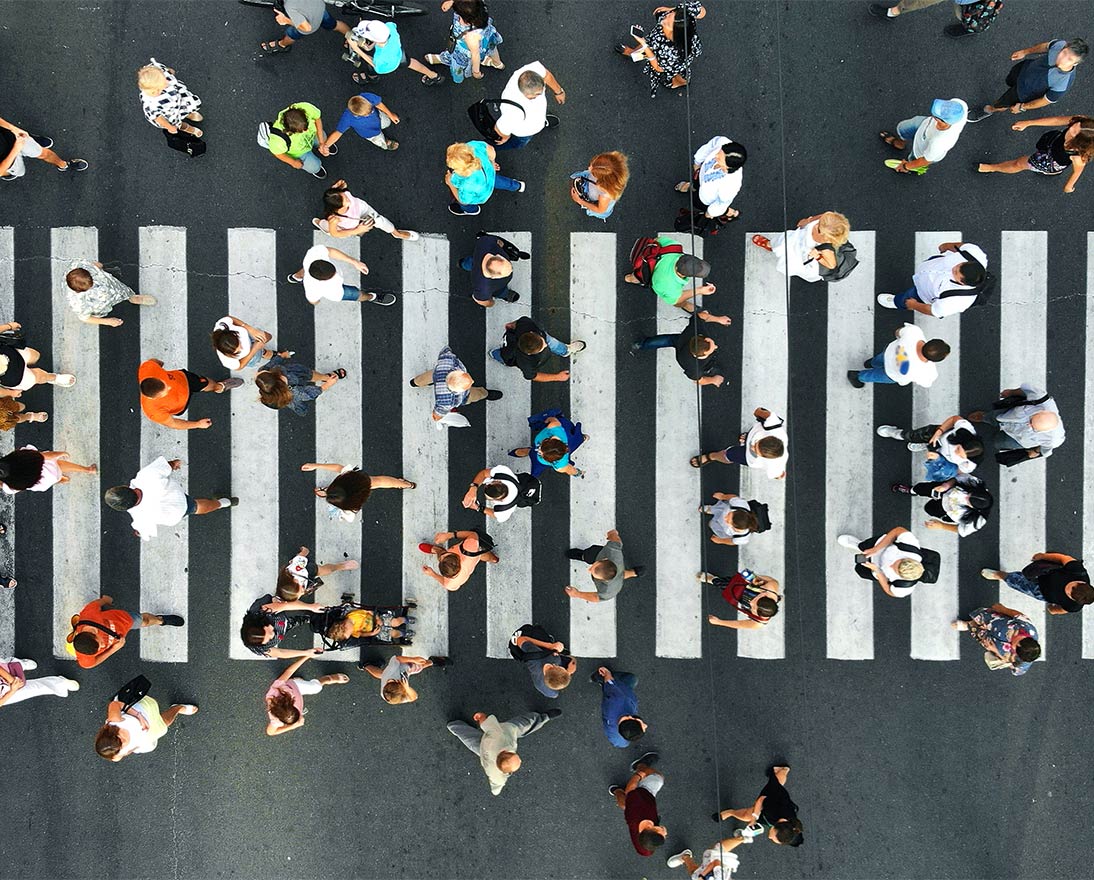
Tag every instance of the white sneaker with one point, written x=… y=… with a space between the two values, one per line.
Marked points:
x=917 y=447
x=677 y=860
x=848 y=541
x=890 y=431
x=988 y=574
x=27 y=664
x=72 y=684
x=886 y=300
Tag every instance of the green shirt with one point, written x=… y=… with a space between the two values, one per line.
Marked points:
x=300 y=143
x=666 y=283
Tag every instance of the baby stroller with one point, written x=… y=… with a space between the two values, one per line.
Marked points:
x=367 y=617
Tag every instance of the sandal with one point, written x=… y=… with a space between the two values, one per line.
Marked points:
x=338 y=374
x=762 y=241
x=432 y=80
x=697 y=461
x=7 y=582
x=890 y=139
x=65 y=380
x=361 y=78
x=273 y=47
x=683 y=187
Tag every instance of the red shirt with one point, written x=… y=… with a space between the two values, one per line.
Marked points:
x=639 y=806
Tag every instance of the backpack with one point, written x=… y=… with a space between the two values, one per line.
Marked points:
x=264 y=132
x=529 y=491
x=645 y=254
x=982 y=293
x=931 y=560
x=846 y=260
x=534 y=631
x=763 y=518
x=484 y=115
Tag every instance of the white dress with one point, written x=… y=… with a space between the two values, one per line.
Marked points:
x=792 y=249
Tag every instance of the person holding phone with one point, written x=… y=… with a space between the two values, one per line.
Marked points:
x=670 y=48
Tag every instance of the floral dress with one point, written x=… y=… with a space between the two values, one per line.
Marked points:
x=105 y=292
x=174 y=103
x=673 y=62
x=997 y=632
x=458 y=58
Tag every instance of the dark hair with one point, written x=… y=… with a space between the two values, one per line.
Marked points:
x=770 y=447
x=495 y=490
x=531 y=343
x=972 y=273
x=683 y=29
x=85 y=643
x=552 y=449
x=120 y=498
x=332 y=200
x=766 y=607
x=1078 y=46
x=21 y=468
x=225 y=341
x=630 y=729
x=283 y=709
x=273 y=388
x=79 y=280
x=700 y=346
x=253 y=631
x=472 y=11
x=349 y=491
x=650 y=839
x=789 y=833
x=743 y=519
x=1027 y=650
x=152 y=386
x=935 y=350
x=449 y=564
x=1084 y=593
x=294 y=120
x=322 y=270
x=980 y=499
x=969 y=441
x=107 y=741
x=736 y=155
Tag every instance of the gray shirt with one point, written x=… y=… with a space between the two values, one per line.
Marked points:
x=310 y=11
x=1015 y=423
x=606 y=590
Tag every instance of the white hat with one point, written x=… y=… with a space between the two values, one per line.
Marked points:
x=373 y=31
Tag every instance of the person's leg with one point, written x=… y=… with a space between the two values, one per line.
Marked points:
x=514 y=143
x=147 y=619
x=588 y=555
x=662 y=340
x=423 y=380
x=50 y=685
x=202 y=506
x=901 y=299
x=476 y=394
x=621 y=796
x=744 y=814
x=920 y=435
x=417 y=66
x=465 y=263
x=1018 y=581
x=178 y=709
x=555 y=346
x=469 y=735
x=42 y=377
x=732 y=455
x=876 y=373
x=333 y=678
x=308 y=686
x=70 y=467
x=529 y=722
x=507 y=183
x=780 y=774
x=906 y=129
x=312 y=163
x=1013 y=166
x=923 y=490
x=332 y=567
x=382 y=482
x=495 y=353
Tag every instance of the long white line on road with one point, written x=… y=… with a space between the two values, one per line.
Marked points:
x=338 y=431
x=678 y=547
x=509 y=582
x=592 y=401
x=1023 y=337
x=75 y=420
x=1088 y=435
x=425 y=448
x=7 y=443
x=934 y=606
x=252 y=297
x=849 y=420
x=165 y=559
x=765 y=382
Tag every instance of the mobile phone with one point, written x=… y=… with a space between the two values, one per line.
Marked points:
x=638 y=32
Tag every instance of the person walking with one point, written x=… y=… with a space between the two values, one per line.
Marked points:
x=16 y=687
x=732 y=520
x=369 y=116
x=345 y=215
x=491 y=268
x=285 y=385
x=17 y=144
x=528 y=347
x=1008 y=637
x=300 y=19
x=18 y=364
x=523 y=112
x=930 y=137
x=322 y=279
x=27 y=470
x=1026 y=424
x=960 y=504
x=554 y=441
x=302 y=576
x=136 y=729
x=638 y=801
x=472 y=177
x=895 y=559
x=756 y=596
x=472 y=42
x=267 y=621
x=294 y=137
x=1069 y=148
x=239 y=346
x=92 y=292
x=458 y=555
x=285 y=697
x=694 y=350
x=167 y=103
x=1042 y=76
x=811 y=249
x=154 y=498
x=973 y=16
x=773 y=813
x=719 y=862
x=497 y=492
x=763 y=446
x=542 y=655
x=945 y=284
x=166 y=394
x=672 y=46
x=911 y=358
x=347 y=493
x=1058 y=580
x=453 y=388
x=99 y=631
x=661 y=265
x=716 y=178
x=955 y=441
x=597 y=189
x=395 y=676
x=619 y=707
x=495 y=742
x=383 y=40
x=607 y=569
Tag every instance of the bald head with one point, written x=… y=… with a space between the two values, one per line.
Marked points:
x=508 y=762
x=459 y=380
x=1044 y=421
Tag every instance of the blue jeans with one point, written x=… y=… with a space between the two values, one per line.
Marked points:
x=515 y=142
x=906 y=130
x=902 y=298
x=1018 y=581
x=350 y=293
x=500 y=182
x=876 y=373
x=662 y=340
x=312 y=162
x=553 y=345
x=328 y=24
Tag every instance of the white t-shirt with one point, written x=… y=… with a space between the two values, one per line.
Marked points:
x=717 y=188
x=534 y=118
x=724 y=871
x=316 y=290
x=934 y=277
x=163 y=500
x=772 y=426
x=720 y=524
x=955 y=502
x=245 y=342
x=503 y=515
x=931 y=143
x=890 y=555
x=902 y=351
x=946 y=446
x=141 y=741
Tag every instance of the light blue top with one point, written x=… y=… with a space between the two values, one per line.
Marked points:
x=559 y=434
x=476 y=188
x=389 y=56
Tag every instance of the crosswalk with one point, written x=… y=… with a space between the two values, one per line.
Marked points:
x=674 y=537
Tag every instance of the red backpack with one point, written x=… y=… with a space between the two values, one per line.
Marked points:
x=645 y=254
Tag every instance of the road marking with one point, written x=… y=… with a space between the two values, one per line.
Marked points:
x=7 y=444
x=425 y=448
x=75 y=420
x=252 y=296
x=934 y=606
x=678 y=487
x=764 y=382
x=849 y=433
x=165 y=560
x=509 y=582
x=1088 y=435
x=592 y=401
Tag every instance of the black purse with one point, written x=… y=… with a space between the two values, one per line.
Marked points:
x=184 y=142
x=133 y=692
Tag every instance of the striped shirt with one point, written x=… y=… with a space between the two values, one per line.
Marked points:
x=444 y=399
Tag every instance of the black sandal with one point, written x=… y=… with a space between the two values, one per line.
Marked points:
x=697 y=461
x=339 y=373
x=273 y=47
x=7 y=582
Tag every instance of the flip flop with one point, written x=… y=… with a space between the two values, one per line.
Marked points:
x=65 y=380
x=683 y=187
x=762 y=241
x=340 y=373
x=273 y=47
x=697 y=461
x=889 y=137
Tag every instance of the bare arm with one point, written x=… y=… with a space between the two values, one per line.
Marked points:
x=319 y=466
x=292 y=669
x=1061 y=558
x=562 y=376
x=745 y=623
x=584 y=595
x=1078 y=165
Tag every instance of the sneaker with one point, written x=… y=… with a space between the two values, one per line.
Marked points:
x=332 y=150
x=886 y=300
x=957 y=30
x=612 y=789
x=881 y=10
x=46 y=143
x=411 y=620
x=522 y=186
x=171 y=620
x=292 y=279
x=71 y=684
x=493 y=395
x=892 y=432
x=988 y=574
x=678 y=860
x=28 y=665
x=315 y=223
x=513 y=297
x=471 y=211
x=552 y=121
x=233 y=501
x=440 y=662
x=382 y=299
x=575 y=346
x=856 y=382
x=321 y=174
x=980 y=115
x=8 y=177
x=716 y=816
x=649 y=759
x=638 y=570
x=75 y=165
x=900 y=489
x=848 y=541
x=553 y=713
x=231 y=383
x=917 y=447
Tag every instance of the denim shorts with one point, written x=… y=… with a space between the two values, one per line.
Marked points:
x=350 y=293
x=1018 y=581
x=191 y=506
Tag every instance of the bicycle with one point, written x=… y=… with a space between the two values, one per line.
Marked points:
x=366 y=8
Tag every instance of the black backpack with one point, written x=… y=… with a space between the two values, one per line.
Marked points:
x=534 y=631
x=982 y=293
x=846 y=260
x=931 y=560
x=763 y=518
x=529 y=491
x=484 y=115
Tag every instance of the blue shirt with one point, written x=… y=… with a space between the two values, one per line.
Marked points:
x=388 y=56
x=559 y=434
x=366 y=126
x=618 y=699
x=1039 y=76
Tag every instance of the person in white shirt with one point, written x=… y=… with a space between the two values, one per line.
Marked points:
x=527 y=89
x=322 y=280
x=894 y=560
x=501 y=493
x=911 y=357
x=240 y=346
x=717 y=863
x=732 y=520
x=955 y=440
x=717 y=177
x=155 y=498
x=945 y=284
x=495 y=742
x=765 y=446
x=931 y=137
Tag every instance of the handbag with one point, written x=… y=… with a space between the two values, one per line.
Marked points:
x=133 y=692
x=1011 y=457
x=184 y=142
x=994 y=661
x=15 y=668
x=12 y=337
x=484 y=115
x=1013 y=401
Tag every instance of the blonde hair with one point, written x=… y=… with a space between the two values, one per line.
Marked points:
x=834 y=228
x=359 y=106
x=610 y=172
x=394 y=692
x=151 y=79
x=909 y=569
x=461 y=159
x=556 y=678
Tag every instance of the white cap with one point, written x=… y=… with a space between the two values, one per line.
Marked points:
x=373 y=31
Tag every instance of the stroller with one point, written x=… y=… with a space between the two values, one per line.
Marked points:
x=378 y=616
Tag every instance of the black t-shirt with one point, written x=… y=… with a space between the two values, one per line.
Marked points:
x=528 y=364
x=1052 y=584
x=1053 y=144
x=7 y=141
x=483 y=288
x=691 y=365
x=777 y=804
x=13 y=375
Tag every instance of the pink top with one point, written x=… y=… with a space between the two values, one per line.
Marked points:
x=350 y=216
x=286 y=687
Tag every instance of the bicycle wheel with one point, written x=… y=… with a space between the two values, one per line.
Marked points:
x=269 y=4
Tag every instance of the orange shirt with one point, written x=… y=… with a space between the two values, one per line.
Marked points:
x=175 y=401
x=117 y=621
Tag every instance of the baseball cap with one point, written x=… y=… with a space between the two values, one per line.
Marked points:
x=951 y=111
x=692 y=267
x=373 y=31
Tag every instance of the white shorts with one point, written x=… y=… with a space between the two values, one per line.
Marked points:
x=652 y=783
x=32 y=150
x=308 y=686
x=28 y=381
